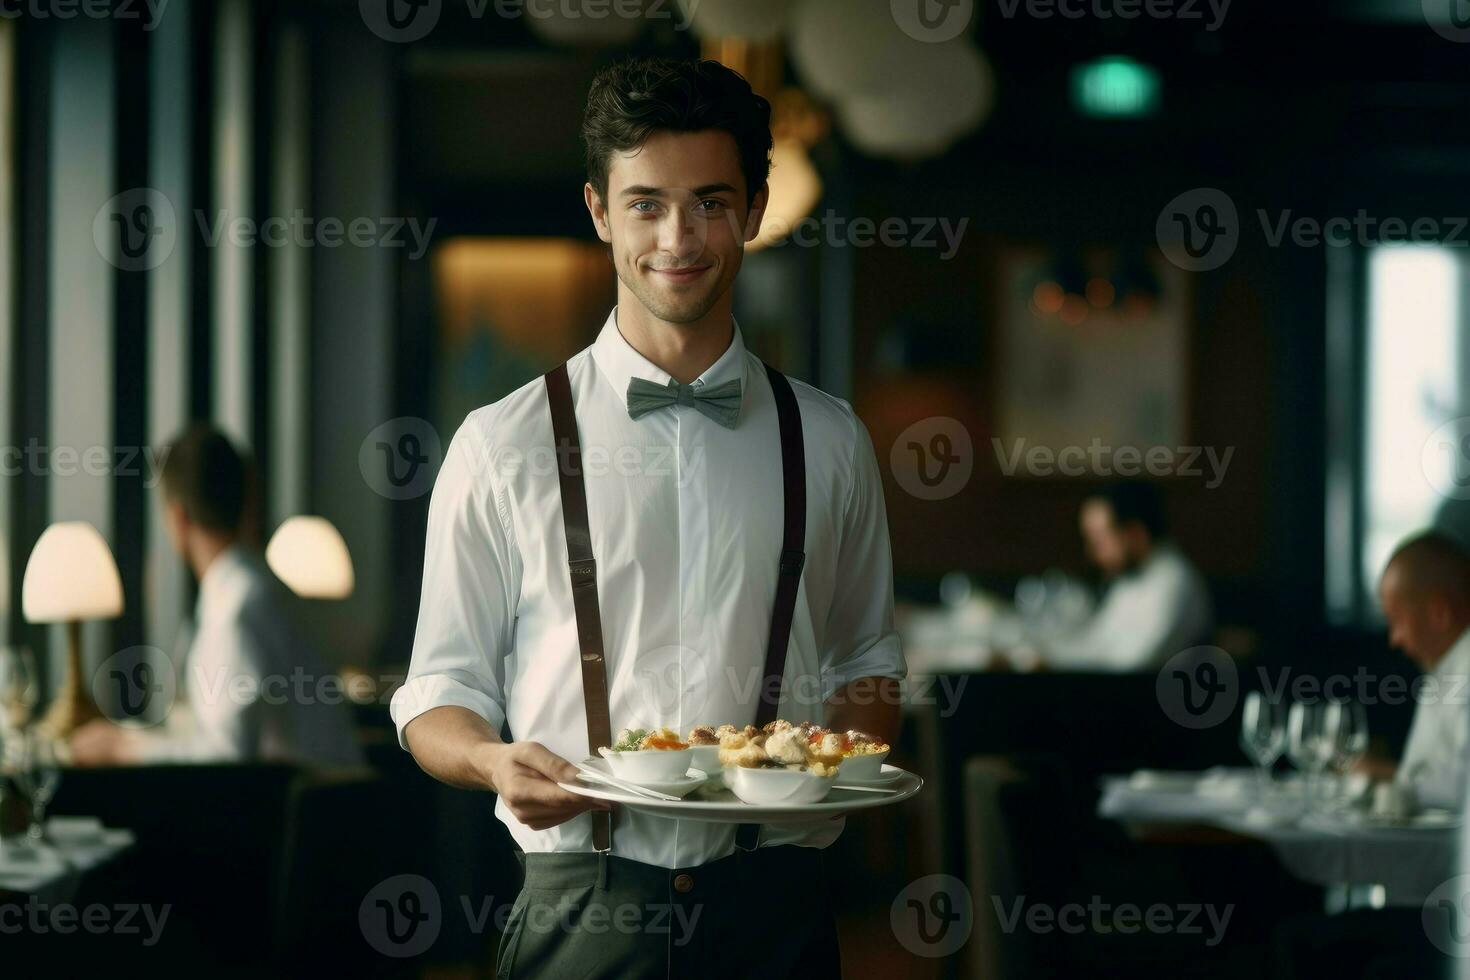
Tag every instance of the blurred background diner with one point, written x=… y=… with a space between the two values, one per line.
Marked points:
x=1155 y=313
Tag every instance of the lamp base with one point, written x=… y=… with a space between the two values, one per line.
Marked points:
x=73 y=706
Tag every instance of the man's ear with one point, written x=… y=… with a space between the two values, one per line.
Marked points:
x=176 y=520
x=1440 y=612
x=757 y=213
x=598 y=209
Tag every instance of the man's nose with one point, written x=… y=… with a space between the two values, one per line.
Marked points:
x=680 y=235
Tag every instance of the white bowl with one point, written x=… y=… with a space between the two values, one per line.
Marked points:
x=860 y=768
x=706 y=757
x=776 y=787
x=647 y=765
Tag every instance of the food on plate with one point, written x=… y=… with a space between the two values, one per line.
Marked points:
x=861 y=743
x=784 y=748
x=640 y=740
x=703 y=735
x=824 y=746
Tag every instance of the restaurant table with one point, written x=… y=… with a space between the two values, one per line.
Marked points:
x=1337 y=851
x=48 y=872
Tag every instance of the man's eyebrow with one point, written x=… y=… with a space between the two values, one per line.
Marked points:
x=643 y=190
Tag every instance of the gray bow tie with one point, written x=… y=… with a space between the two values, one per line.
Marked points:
x=720 y=402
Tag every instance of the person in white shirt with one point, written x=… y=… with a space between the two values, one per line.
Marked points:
x=1425 y=595
x=685 y=507
x=1156 y=603
x=254 y=687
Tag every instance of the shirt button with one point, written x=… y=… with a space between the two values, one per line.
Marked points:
x=683 y=883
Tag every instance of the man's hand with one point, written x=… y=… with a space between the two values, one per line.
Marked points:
x=101 y=743
x=525 y=775
x=458 y=747
x=1376 y=767
x=867 y=704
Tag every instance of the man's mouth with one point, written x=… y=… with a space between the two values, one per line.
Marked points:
x=687 y=274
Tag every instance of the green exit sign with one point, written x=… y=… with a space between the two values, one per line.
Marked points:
x=1115 y=87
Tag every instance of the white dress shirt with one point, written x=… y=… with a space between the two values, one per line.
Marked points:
x=686 y=522
x=1434 y=755
x=1145 y=617
x=253 y=686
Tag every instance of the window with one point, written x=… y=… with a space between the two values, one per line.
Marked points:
x=1403 y=462
x=1412 y=391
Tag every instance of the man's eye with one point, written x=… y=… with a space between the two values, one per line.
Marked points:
x=710 y=205
x=639 y=207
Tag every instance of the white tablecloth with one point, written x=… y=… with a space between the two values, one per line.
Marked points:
x=1409 y=862
x=50 y=871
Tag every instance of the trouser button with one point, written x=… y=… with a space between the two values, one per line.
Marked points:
x=683 y=883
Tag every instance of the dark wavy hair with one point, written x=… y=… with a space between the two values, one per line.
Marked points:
x=631 y=99
x=1134 y=500
x=203 y=471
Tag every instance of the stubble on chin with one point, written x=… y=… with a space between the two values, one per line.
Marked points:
x=688 y=309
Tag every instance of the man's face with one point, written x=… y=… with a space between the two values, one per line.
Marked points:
x=177 y=524
x=1109 y=546
x=1417 y=624
x=676 y=220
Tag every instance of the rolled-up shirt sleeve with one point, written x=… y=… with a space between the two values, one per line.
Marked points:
x=470 y=590
x=860 y=639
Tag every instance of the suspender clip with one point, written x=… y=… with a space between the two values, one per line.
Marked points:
x=792 y=562
x=583 y=570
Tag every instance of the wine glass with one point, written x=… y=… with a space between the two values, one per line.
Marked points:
x=19 y=688
x=1262 y=736
x=1350 y=743
x=40 y=775
x=1311 y=734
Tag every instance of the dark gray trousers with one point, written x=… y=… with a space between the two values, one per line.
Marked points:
x=752 y=914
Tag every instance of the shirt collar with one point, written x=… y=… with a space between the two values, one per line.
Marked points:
x=620 y=363
x=1456 y=660
x=215 y=583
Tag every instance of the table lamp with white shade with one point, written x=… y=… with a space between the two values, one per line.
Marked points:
x=308 y=554
x=71 y=576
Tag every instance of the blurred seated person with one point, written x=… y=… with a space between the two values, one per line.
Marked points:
x=1155 y=603
x=1425 y=594
x=251 y=691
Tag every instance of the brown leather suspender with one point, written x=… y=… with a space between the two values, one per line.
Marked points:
x=793 y=544
x=793 y=557
x=583 y=570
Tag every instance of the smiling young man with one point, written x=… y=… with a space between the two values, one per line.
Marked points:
x=662 y=531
